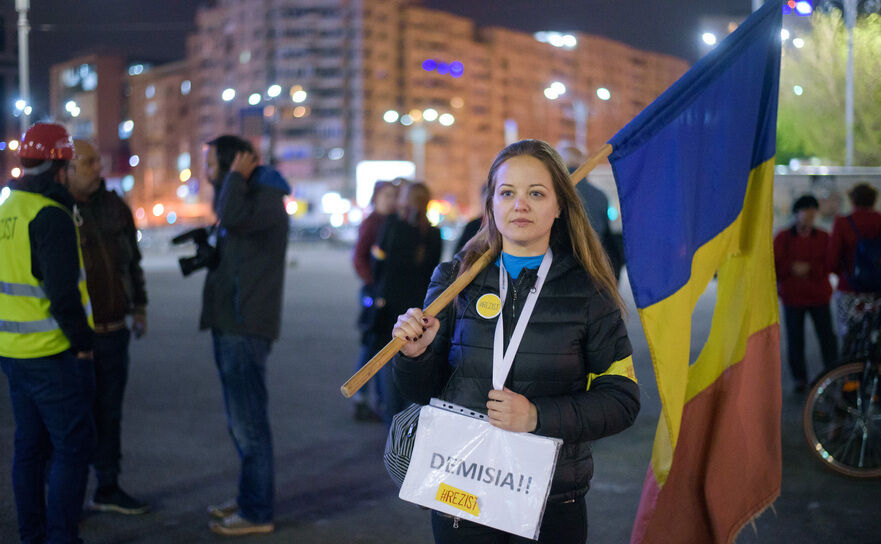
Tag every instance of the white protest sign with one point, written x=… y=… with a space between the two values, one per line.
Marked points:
x=467 y=468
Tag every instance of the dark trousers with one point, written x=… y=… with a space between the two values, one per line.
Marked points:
x=563 y=523
x=54 y=441
x=111 y=375
x=795 y=338
x=241 y=363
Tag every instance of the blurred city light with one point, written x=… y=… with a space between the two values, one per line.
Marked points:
x=446 y=119
x=430 y=114
x=457 y=102
x=558 y=87
x=612 y=213
x=456 y=69
x=291 y=207
x=125 y=129
x=140 y=214
x=390 y=116
x=4 y=194
x=300 y=111
x=135 y=69
x=429 y=65
x=273 y=90
x=128 y=182
x=798 y=42
x=70 y=106
x=709 y=38
x=150 y=91
x=551 y=94
x=158 y=209
x=255 y=99
x=13 y=145
x=15 y=172
x=228 y=94
x=798 y=90
x=171 y=218
x=406 y=120
x=185 y=87
x=185 y=175
x=333 y=203
x=337 y=220
x=298 y=96
x=134 y=160
x=28 y=110
x=182 y=191
x=803 y=8
x=183 y=161
x=2 y=145
x=356 y=216
x=557 y=39
x=336 y=153
x=784 y=34
x=20 y=104
x=603 y=93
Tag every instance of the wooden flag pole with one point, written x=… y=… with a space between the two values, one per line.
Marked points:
x=384 y=355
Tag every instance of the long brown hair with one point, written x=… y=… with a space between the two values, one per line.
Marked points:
x=570 y=232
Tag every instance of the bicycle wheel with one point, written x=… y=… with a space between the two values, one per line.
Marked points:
x=842 y=420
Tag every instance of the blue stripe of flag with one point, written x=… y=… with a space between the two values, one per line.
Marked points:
x=682 y=165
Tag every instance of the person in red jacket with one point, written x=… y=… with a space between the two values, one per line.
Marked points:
x=840 y=259
x=383 y=201
x=804 y=288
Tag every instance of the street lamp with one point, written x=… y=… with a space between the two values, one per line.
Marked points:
x=580 y=108
x=418 y=123
x=24 y=29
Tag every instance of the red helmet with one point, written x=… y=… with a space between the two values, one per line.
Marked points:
x=46 y=141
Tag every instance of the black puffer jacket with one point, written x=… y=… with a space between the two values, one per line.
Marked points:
x=574 y=336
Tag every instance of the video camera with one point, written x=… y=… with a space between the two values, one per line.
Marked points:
x=206 y=254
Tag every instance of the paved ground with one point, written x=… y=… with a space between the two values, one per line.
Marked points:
x=332 y=487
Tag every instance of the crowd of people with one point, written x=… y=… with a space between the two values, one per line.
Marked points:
x=75 y=293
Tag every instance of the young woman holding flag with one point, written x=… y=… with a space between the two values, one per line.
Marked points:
x=568 y=374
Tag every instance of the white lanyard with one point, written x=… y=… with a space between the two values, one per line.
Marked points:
x=502 y=360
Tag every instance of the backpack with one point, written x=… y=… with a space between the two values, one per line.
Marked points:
x=865 y=276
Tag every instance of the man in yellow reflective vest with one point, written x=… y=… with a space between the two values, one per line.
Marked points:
x=46 y=339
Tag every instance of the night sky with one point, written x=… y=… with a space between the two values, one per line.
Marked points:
x=155 y=30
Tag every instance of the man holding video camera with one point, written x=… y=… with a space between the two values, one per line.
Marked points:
x=242 y=306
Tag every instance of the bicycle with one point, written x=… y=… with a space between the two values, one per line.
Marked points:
x=842 y=413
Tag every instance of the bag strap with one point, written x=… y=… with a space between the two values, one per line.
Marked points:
x=854 y=227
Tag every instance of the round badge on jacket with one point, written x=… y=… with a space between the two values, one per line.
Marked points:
x=489 y=306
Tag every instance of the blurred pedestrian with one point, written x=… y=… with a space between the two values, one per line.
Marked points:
x=855 y=257
x=472 y=226
x=108 y=238
x=383 y=201
x=572 y=374
x=804 y=288
x=46 y=340
x=596 y=205
x=406 y=252
x=241 y=304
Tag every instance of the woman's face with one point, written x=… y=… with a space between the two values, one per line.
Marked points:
x=524 y=206
x=384 y=203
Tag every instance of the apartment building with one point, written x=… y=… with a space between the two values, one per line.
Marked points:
x=311 y=82
x=87 y=94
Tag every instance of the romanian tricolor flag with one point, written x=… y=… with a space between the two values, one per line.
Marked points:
x=694 y=172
